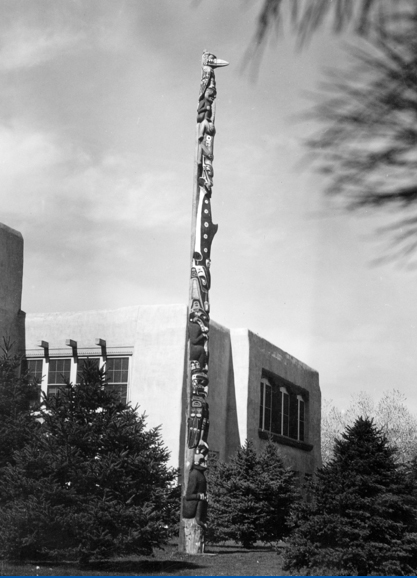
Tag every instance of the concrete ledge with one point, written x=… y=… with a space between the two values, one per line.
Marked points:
x=284 y=440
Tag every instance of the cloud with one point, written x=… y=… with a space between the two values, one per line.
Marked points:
x=25 y=47
x=62 y=181
x=31 y=37
x=23 y=152
x=113 y=191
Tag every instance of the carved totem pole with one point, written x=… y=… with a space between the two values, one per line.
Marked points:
x=194 y=505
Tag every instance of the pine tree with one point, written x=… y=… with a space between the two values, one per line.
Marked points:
x=361 y=516
x=19 y=398
x=250 y=497
x=93 y=483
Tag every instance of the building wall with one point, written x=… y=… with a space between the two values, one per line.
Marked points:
x=154 y=338
x=224 y=431
x=253 y=356
x=12 y=319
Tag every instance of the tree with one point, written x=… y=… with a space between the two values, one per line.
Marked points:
x=361 y=517
x=19 y=397
x=94 y=482
x=250 y=496
x=332 y=425
x=307 y=16
x=366 y=144
x=390 y=414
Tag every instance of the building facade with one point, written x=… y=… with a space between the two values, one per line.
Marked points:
x=257 y=391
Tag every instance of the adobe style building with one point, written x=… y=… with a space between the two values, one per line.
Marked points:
x=256 y=389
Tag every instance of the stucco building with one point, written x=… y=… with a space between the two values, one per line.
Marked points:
x=256 y=389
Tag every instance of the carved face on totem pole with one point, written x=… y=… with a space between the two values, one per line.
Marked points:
x=201 y=455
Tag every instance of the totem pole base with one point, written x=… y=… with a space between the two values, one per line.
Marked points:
x=193 y=537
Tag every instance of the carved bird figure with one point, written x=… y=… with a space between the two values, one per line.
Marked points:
x=208 y=63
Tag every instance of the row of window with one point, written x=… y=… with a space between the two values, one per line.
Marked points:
x=281 y=411
x=54 y=373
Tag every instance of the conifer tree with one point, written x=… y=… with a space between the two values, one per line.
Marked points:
x=250 y=496
x=19 y=398
x=94 y=482
x=361 y=516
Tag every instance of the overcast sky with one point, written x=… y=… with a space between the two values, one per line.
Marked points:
x=97 y=135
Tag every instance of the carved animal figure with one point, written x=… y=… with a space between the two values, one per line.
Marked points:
x=209 y=62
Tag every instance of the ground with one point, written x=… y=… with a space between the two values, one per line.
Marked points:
x=225 y=560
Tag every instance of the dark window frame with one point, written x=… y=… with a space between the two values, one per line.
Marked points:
x=289 y=403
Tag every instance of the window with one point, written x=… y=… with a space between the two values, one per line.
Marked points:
x=81 y=363
x=274 y=409
x=59 y=373
x=265 y=406
x=35 y=368
x=282 y=408
x=301 y=418
x=58 y=367
x=285 y=415
x=117 y=370
x=270 y=408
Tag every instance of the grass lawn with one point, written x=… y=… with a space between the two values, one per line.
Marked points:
x=226 y=560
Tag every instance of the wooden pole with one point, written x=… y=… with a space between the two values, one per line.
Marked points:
x=194 y=495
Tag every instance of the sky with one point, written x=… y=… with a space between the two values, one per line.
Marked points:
x=97 y=136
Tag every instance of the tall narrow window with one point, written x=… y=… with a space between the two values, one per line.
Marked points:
x=301 y=418
x=59 y=373
x=265 y=406
x=285 y=413
x=276 y=410
x=117 y=369
x=261 y=405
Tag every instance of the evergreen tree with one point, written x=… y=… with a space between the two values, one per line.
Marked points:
x=390 y=413
x=250 y=497
x=361 y=516
x=19 y=398
x=93 y=483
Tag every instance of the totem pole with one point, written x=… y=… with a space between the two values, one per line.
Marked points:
x=194 y=500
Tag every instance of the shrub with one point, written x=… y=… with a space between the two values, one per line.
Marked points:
x=361 y=516
x=250 y=497
x=93 y=483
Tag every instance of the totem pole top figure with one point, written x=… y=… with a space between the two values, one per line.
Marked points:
x=208 y=63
